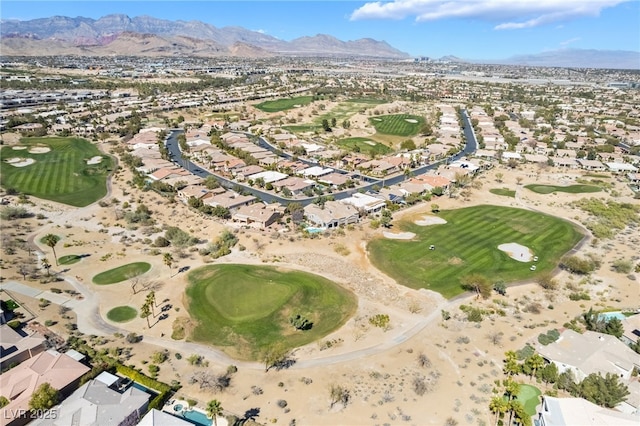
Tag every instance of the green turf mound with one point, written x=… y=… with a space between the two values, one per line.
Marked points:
x=529 y=396
x=69 y=259
x=505 y=192
x=62 y=174
x=245 y=309
x=122 y=314
x=121 y=273
x=468 y=244
x=571 y=189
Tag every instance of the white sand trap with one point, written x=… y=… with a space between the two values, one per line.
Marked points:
x=517 y=252
x=399 y=236
x=18 y=147
x=377 y=119
x=411 y=120
x=39 y=150
x=372 y=143
x=297 y=106
x=22 y=162
x=13 y=160
x=430 y=220
x=95 y=160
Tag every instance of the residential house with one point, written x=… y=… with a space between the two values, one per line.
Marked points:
x=258 y=215
x=334 y=179
x=365 y=202
x=100 y=402
x=294 y=184
x=160 y=418
x=434 y=181
x=591 y=164
x=230 y=200
x=246 y=172
x=331 y=215
x=18 y=384
x=577 y=411
x=591 y=352
x=168 y=172
x=566 y=162
x=16 y=348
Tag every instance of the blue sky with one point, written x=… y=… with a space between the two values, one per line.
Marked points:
x=470 y=29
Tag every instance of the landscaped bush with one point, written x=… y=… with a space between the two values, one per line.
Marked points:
x=548 y=337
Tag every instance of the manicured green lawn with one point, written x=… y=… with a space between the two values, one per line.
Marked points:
x=572 y=189
x=468 y=244
x=284 y=104
x=364 y=145
x=529 y=396
x=398 y=124
x=61 y=174
x=121 y=273
x=69 y=259
x=505 y=192
x=122 y=314
x=245 y=309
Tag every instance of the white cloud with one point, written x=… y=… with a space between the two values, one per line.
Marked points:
x=510 y=14
x=568 y=42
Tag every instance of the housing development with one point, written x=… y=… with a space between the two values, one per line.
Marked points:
x=305 y=241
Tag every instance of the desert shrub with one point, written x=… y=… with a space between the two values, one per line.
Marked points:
x=380 y=320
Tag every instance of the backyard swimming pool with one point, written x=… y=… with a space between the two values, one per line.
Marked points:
x=608 y=316
x=314 y=230
x=197 y=417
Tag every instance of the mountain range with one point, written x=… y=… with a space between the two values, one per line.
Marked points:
x=147 y=36
x=118 y=34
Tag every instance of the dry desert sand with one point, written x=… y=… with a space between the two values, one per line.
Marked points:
x=378 y=367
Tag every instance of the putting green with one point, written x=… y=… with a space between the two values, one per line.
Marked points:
x=245 y=309
x=398 y=124
x=121 y=273
x=468 y=244
x=284 y=104
x=122 y=314
x=529 y=396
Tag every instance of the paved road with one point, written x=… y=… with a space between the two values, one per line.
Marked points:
x=471 y=145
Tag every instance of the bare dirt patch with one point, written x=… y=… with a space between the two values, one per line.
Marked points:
x=454 y=261
x=517 y=251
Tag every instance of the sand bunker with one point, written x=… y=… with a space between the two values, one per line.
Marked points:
x=430 y=220
x=18 y=147
x=517 y=252
x=372 y=143
x=399 y=236
x=39 y=150
x=297 y=106
x=95 y=160
x=410 y=120
x=20 y=162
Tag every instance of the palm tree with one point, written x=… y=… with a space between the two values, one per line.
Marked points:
x=511 y=365
x=46 y=265
x=535 y=362
x=51 y=240
x=168 y=259
x=499 y=406
x=145 y=312
x=214 y=409
x=151 y=300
